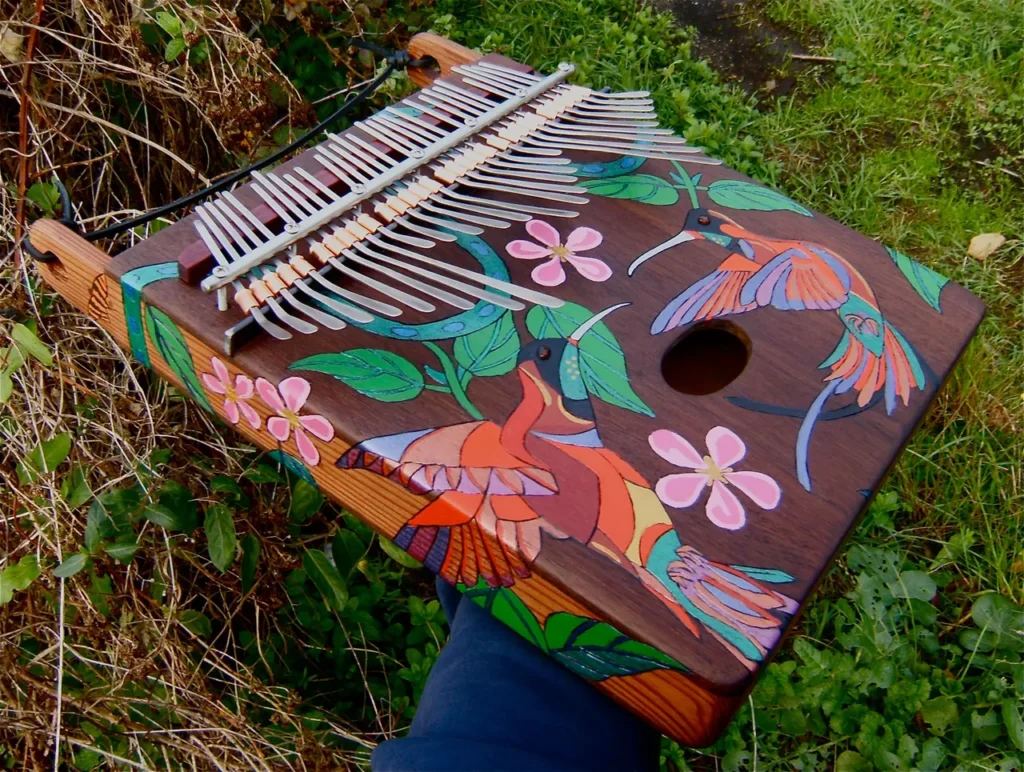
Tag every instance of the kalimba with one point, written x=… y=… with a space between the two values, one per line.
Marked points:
x=625 y=398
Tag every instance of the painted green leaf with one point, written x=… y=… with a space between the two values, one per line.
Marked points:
x=18 y=576
x=293 y=465
x=924 y=280
x=172 y=347
x=250 y=559
x=221 y=540
x=326 y=578
x=490 y=351
x=374 y=373
x=645 y=188
x=596 y=650
x=749 y=196
x=614 y=168
x=505 y=605
x=602 y=362
x=133 y=282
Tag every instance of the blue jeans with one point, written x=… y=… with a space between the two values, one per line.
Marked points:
x=494 y=702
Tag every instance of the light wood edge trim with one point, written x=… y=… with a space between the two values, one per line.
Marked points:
x=666 y=699
x=445 y=52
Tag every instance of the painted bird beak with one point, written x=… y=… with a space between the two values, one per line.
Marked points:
x=587 y=326
x=680 y=238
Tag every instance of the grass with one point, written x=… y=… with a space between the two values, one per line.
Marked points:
x=914 y=135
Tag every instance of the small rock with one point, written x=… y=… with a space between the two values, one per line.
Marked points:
x=984 y=244
x=770 y=85
x=11 y=45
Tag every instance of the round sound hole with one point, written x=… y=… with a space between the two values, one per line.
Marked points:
x=707 y=358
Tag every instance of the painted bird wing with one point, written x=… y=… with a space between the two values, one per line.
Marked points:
x=801 y=277
x=856 y=367
x=484 y=492
x=717 y=294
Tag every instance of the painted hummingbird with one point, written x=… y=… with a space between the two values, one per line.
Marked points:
x=546 y=470
x=795 y=275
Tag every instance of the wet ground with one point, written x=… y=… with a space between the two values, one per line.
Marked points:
x=741 y=44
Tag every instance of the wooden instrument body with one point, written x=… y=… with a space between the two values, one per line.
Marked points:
x=680 y=661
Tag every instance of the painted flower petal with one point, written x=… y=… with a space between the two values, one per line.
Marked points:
x=583 y=239
x=725 y=446
x=243 y=386
x=318 y=426
x=269 y=395
x=306 y=448
x=724 y=509
x=250 y=414
x=278 y=426
x=295 y=391
x=674 y=449
x=590 y=267
x=761 y=488
x=221 y=371
x=680 y=490
x=213 y=384
x=526 y=250
x=544 y=233
x=549 y=274
x=231 y=410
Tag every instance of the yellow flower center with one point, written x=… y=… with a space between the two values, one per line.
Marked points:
x=229 y=392
x=293 y=418
x=713 y=472
x=560 y=252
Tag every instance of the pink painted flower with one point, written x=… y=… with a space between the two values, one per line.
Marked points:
x=714 y=470
x=287 y=399
x=235 y=393
x=551 y=273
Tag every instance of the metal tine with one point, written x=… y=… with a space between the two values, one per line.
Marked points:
x=613 y=109
x=406 y=130
x=470 y=290
x=440 y=207
x=312 y=180
x=424 y=231
x=385 y=289
x=428 y=127
x=339 y=143
x=337 y=171
x=413 y=144
x=547 y=164
x=272 y=329
x=239 y=236
x=550 y=173
x=654 y=139
x=609 y=95
x=469 y=104
x=310 y=192
x=435 y=292
x=632 y=119
x=506 y=214
x=527 y=77
x=384 y=309
x=490 y=81
x=500 y=179
x=616 y=147
x=230 y=197
x=430 y=111
x=297 y=206
x=453 y=107
x=593 y=100
x=352 y=162
x=402 y=147
x=464 y=95
x=344 y=309
x=504 y=170
x=294 y=194
x=387 y=160
x=328 y=321
x=268 y=198
x=549 y=161
x=532 y=193
x=539 y=151
x=469 y=230
x=412 y=241
x=541 y=211
x=648 y=127
x=524 y=293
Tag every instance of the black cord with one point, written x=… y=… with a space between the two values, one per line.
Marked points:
x=396 y=60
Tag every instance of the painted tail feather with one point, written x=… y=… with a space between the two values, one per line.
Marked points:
x=803 y=437
x=717 y=294
x=680 y=238
x=462 y=553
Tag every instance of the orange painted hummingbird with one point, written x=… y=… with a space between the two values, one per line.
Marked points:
x=546 y=470
x=796 y=275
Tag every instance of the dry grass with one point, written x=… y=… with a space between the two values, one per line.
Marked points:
x=81 y=94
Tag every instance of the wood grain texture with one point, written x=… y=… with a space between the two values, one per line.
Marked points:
x=850 y=450
x=445 y=52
